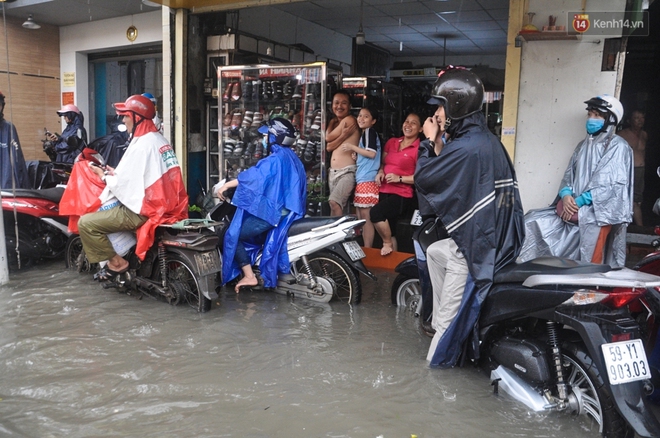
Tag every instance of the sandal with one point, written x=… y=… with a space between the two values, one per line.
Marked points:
x=107 y=274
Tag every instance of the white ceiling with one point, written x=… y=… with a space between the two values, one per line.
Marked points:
x=472 y=27
x=419 y=27
x=67 y=12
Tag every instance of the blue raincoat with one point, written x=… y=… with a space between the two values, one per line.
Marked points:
x=65 y=153
x=471 y=186
x=275 y=183
x=9 y=140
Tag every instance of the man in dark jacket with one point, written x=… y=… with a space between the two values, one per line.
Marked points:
x=469 y=183
x=12 y=162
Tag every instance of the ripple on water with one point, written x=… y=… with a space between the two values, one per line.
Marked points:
x=78 y=361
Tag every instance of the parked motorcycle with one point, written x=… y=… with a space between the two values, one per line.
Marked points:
x=180 y=267
x=33 y=216
x=324 y=256
x=40 y=228
x=47 y=174
x=557 y=334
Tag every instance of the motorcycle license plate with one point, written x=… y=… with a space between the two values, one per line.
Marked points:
x=353 y=250
x=207 y=262
x=626 y=361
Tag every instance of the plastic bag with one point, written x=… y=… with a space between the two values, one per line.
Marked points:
x=81 y=194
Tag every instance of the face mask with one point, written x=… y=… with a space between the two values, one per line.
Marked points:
x=594 y=125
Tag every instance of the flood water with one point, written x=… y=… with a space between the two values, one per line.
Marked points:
x=78 y=361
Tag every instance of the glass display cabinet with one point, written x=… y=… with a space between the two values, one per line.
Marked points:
x=251 y=95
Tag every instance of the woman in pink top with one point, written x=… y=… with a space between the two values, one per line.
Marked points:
x=395 y=179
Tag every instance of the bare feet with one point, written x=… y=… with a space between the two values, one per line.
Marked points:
x=117 y=265
x=246 y=282
x=386 y=249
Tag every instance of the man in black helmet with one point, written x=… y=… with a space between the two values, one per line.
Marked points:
x=11 y=155
x=467 y=180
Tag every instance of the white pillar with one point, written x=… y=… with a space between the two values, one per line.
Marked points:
x=4 y=262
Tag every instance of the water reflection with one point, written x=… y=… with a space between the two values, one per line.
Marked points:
x=79 y=361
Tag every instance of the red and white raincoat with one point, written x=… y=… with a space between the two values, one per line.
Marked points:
x=147 y=181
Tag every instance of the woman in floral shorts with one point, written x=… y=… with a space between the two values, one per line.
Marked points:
x=368 y=162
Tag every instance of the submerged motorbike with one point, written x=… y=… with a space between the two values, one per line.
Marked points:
x=180 y=267
x=41 y=230
x=325 y=260
x=558 y=335
x=37 y=230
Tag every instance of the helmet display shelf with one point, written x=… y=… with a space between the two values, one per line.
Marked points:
x=251 y=96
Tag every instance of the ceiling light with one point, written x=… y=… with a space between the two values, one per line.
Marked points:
x=30 y=23
x=360 y=38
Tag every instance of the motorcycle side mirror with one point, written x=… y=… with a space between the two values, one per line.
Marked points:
x=93 y=156
x=657 y=171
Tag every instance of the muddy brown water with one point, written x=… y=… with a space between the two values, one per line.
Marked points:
x=80 y=361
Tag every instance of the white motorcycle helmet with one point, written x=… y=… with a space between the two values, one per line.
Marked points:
x=605 y=103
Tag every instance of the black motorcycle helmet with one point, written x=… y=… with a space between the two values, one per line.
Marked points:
x=459 y=90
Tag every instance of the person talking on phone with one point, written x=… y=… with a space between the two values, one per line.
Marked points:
x=469 y=183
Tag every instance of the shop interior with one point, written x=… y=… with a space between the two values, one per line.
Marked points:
x=638 y=92
x=293 y=81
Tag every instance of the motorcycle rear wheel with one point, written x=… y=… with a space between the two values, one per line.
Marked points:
x=74 y=255
x=583 y=376
x=335 y=269
x=179 y=271
x=403 y=289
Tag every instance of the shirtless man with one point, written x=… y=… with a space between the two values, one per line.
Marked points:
x=342 y=129
x=636 y=138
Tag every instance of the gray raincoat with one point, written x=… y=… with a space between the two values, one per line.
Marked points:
x=602 y=164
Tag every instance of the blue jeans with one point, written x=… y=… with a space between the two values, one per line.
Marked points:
x=253 y=229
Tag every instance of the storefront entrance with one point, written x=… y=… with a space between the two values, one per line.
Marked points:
x=112 y=79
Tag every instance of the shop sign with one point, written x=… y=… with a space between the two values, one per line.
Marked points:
x=232 y=74
x=354 y=83
x=67 y=98
x=69 y=79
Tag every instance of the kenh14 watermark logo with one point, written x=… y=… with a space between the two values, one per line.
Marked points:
x=609 y=24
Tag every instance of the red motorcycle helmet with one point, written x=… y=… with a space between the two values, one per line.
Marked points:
x=137 y=104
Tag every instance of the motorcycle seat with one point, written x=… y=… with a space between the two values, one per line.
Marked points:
x=519 y=272
x=53 y=194
x=307 y=223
